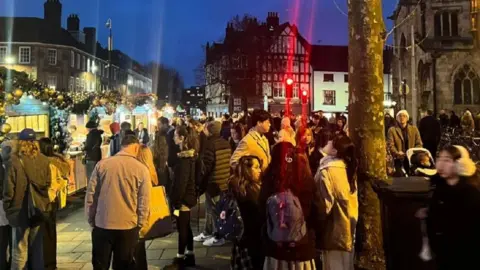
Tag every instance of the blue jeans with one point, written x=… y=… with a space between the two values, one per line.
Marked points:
x=27 y=248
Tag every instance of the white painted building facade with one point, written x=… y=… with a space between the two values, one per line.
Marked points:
x=330 y=90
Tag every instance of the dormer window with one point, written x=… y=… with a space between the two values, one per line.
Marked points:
x=446 y=24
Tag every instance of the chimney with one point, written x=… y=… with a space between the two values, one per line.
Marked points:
x=229 y=30
x=73 y=23
x=90 y=39
x=273 y=20
x=53 y=13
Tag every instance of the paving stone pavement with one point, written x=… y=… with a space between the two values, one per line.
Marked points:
x=74 y=246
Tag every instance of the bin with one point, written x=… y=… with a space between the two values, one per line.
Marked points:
x=402 y=237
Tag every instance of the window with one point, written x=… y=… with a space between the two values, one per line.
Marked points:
x=83 y=63
x=52 y=57
x=329 y=97
x=78 y=61
x=71 y=83
x=24 y=54
x=114 y=74
x=88 y=65
x=77 y=83
x=278 y=90
x=328 y=77
x=345 y=78
x=3 y=54
x=466 y=87
x=446 y=24
x=72 y=59
x=52 y=81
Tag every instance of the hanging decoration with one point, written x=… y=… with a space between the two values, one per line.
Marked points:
x=60 y=135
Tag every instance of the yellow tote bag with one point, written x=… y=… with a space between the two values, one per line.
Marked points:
x=159 y=220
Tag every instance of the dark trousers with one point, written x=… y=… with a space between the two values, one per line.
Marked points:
x=141 y=256
x=50 y=241
x=185 y=234
x=121 y=243
x=5 y=246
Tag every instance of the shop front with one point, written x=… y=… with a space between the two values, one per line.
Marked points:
x=30 y=113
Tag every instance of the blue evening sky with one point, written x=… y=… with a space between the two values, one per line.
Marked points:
x=173 y=31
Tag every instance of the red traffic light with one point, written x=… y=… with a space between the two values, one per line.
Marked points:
x=289 y=81
x=304 y=93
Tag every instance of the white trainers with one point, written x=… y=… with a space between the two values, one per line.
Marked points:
x=214 y=242
x=201 y=237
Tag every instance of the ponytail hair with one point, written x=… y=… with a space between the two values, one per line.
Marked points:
x=346 y=151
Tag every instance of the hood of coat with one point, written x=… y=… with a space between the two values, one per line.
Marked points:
x=187 y=154
x=330 y=162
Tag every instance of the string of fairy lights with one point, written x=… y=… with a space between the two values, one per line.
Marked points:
x=15 y=85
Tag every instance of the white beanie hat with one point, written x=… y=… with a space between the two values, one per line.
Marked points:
x=403 y=112
x=465 y=165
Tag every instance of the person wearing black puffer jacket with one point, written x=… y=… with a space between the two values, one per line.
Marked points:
x=183 y=194
x=93 y=152
x=216 y=160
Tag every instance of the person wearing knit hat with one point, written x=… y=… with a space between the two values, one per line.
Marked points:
x=115 y=146
x=453 y=212
x=400 y=138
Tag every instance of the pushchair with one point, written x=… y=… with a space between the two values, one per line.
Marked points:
x=421 y=162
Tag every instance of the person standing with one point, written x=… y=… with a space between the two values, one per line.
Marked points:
x=115 y=139
x=160 y=152
x=5 y=229
x=146 y=157
x=288 y=184
x=142 y=134
x=336 y=180
x=255 y=143
x=60 y=171
x=452 y=218
x=430 y=131
x=28 y=174
x=93 y=151
x=183 y=195
x=444 y=120
x=402 y=137
x=117 y=205
x=214 y=180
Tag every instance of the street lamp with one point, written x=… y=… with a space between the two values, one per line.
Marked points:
x=9 y=60
x=288 y=93
x=130 y=82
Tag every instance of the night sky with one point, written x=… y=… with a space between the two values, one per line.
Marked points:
x=173 y=31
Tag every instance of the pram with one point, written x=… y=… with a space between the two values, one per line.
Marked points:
x=421 y=162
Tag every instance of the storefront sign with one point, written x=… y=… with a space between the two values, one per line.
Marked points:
x=237 y=105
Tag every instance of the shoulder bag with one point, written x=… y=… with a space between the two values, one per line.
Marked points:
x=34 y=215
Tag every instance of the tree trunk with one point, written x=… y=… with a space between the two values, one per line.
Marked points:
x=366 y=113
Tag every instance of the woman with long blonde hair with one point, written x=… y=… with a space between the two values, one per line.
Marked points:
x=145 y=156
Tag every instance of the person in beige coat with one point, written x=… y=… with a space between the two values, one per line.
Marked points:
x=255 y=143
x=336 y=180
x=402 y=137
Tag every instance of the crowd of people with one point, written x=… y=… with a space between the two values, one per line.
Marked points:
x=293 y=181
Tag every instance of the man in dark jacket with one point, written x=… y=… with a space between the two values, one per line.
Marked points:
x=93 y=152
x=28 y=174
x=430 y=131
x=216 y=162
x=444 y=120
x=142 y=134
